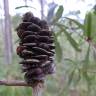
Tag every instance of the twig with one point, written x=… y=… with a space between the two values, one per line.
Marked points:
x=37 y=90
x=14 y=83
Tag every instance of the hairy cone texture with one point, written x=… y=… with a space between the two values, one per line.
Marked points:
x=36 y=48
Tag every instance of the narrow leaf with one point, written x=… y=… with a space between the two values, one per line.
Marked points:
x=93 y=27
x=87 y=55
x=71 y=61
x=58 y=49
x=86 y=59
x=81 y=26
x=58 y=14
x=24 y=7
x=87 y=78
x=71 y=75
x=72 y=41
x=88 y=25
x=69 y=37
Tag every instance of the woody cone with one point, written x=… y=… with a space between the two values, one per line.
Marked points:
x=36 y=48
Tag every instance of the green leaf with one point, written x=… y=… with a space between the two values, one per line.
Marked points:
x=81 y=26
x=72 y=41
x=93 y=29
x=24 y=7
x=88 y=25
x=71 y=75
x=69 y=37
x=86 y=59
x=87 y=78
x=85 y=67
x=87 y=55
x=58 y=49
x=71 y=61
x=58 y=14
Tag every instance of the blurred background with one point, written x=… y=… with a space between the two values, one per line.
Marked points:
x=74 y=35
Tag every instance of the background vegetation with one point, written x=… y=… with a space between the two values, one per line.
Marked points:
x=75 y=57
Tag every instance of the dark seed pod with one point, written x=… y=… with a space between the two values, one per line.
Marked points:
x=45 y=33
x=26 y=33
x=36 y=48
x=35 y=20
x=33 y=27
x=27 y=16
x=43 y=24
x=23 y=26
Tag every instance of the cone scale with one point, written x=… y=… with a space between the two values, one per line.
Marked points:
x=36 y=49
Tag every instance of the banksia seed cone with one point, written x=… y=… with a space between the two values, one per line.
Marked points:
x=36 y=48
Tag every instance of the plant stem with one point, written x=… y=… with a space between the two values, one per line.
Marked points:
x=14 y=83
x=38 y=89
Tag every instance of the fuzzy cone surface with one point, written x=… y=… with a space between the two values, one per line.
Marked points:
x=36 y=48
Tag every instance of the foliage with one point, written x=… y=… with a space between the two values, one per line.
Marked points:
x=81 y=39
